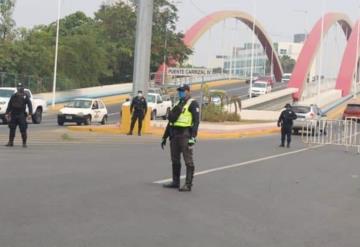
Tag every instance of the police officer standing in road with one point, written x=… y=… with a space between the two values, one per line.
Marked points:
x=16 y=114
x=182 y=130
x=138 y=109
x=286 y=123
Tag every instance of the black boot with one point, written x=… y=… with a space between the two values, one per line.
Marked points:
x=175 y=183
x=188 y=181
x=24 y=140
x=10 y=144
x=11 y=139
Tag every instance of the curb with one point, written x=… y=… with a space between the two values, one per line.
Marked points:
x=207 y=135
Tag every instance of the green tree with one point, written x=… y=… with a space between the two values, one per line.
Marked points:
x=287 y=64
x=6 y=21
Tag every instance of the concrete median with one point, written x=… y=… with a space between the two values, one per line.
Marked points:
x=209 y=131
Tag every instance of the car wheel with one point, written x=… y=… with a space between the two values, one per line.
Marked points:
x=167 y=114
x=104 y=120
x=296 y=132
x=60 y=123
x=153 y=115
x=78 y=123
x=87 y=120
x=37 y=117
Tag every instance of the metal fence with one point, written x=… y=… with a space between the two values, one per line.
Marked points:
x=333 y=132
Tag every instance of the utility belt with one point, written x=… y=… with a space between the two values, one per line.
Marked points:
x=176 y=131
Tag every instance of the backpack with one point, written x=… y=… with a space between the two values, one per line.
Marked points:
x=18 y=101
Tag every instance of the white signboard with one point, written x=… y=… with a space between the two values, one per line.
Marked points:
x=188 y=72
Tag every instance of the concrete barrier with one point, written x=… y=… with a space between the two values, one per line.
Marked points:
x=324 y=99
x=264 y=99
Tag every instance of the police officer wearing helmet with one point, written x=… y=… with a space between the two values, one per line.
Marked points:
x=285 y=121
x=16 y=114
x=182 y=130
x=138 y=109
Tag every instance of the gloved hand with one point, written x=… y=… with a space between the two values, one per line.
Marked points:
x=278 y=124
x=192 y=141
x=163 y=143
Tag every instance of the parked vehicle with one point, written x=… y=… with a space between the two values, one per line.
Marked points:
x=83 y=111
x=286 y=77
x=306 y=114
x=160 y=105
x=39 y=105
x=260 y=88
x=352 y=110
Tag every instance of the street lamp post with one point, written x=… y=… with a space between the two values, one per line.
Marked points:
x=252 y=51
x=321 y=52
x=357 y=56
x=56 y=52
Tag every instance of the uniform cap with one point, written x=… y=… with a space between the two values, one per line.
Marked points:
x=184 y=88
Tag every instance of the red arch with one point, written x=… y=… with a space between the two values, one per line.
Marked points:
x=349 y=63
x=311 y=46
x=203 y=25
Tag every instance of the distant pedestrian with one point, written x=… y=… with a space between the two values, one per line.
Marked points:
x=286 y=121
x=16 y=115
x=182 y=130
x=138 y=110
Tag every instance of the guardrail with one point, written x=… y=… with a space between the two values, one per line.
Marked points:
x=332 y=132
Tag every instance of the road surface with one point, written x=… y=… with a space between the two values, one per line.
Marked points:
x=101 y=191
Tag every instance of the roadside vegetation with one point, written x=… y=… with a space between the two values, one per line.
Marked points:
x=93 y=51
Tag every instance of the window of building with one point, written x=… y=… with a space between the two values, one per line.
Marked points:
x=283 y=51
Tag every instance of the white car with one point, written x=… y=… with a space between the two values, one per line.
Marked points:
x=83 y=111
x=39 y=105
x=260 y=88
x=308 y=115
x=160 y=105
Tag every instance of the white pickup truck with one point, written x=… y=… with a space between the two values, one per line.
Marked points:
x=39 y=105
x=160 y=107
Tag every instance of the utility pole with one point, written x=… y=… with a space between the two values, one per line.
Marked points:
x=252 y=50
x=56 y=53
x=141 y=77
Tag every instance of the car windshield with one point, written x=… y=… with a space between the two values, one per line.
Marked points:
x=6 y=93
x=83 y=104
x=301 y=109
x=259 y=85
x=353 y=107
x=151 y=98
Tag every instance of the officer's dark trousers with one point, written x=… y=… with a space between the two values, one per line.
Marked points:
x=137 y=116
x=180 y=145
x=18 y=120
x=286 y=134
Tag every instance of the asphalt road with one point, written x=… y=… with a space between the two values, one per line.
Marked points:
x=99 y=192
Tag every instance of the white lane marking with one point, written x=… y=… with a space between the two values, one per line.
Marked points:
x=250 y=162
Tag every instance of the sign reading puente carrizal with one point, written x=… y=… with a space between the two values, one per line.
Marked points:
x=188 y=72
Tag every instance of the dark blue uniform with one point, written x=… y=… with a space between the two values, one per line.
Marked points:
x=286 y=122
x=138 y=108
x=17 y=112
